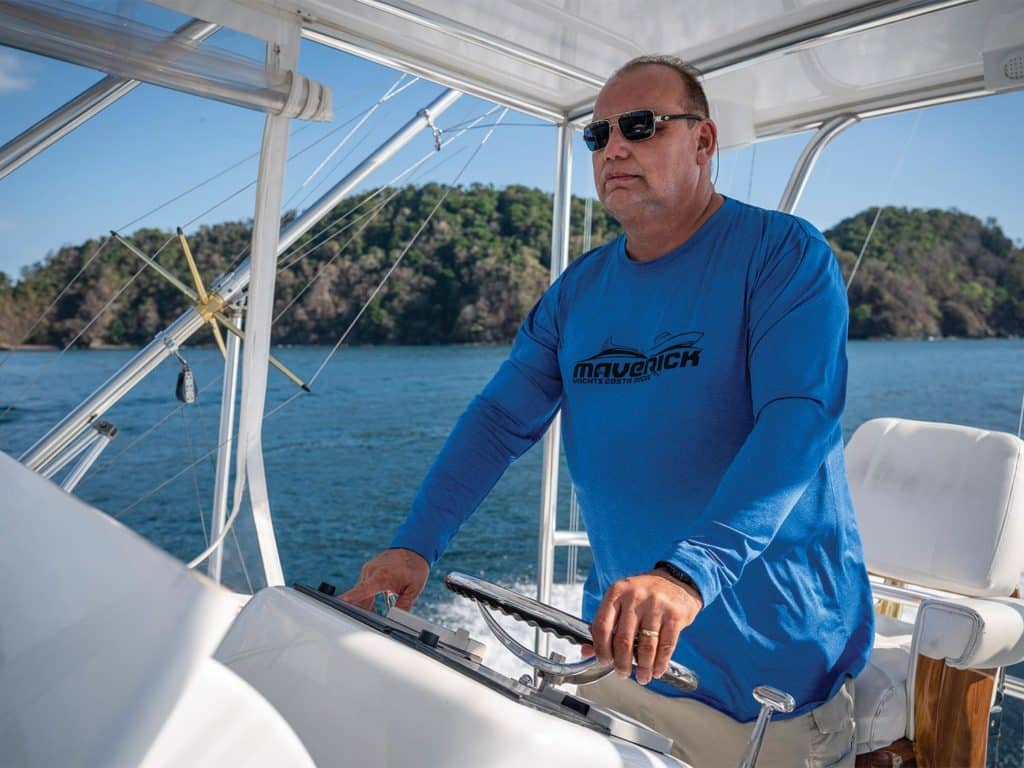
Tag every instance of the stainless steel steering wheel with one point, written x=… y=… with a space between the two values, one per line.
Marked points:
x=554 y=621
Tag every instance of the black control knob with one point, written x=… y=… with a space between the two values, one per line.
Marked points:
x=327 y=589
x=429 y=638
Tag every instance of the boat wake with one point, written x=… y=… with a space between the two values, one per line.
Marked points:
x=459 y=613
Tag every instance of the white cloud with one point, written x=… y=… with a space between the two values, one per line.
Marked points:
x=12 y=77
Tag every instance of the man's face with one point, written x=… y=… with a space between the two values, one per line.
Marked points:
x=652 y=177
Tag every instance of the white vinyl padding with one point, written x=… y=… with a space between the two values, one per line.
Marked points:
x=357 y=697
x=972 y=633
x=939 y=505
x=880 y=692
x=106 y=640
x=220 y=720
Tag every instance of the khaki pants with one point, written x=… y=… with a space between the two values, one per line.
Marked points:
x=705 y=738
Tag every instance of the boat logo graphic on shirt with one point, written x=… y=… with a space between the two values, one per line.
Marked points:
x=618 y=364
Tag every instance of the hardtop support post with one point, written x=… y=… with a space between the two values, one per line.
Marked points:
x=553 y=440
x=805 y=164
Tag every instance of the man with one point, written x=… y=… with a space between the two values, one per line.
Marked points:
x=700 y=366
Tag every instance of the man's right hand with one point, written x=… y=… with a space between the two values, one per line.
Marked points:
x=401 y=571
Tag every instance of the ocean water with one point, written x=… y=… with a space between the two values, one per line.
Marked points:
x=344 y=462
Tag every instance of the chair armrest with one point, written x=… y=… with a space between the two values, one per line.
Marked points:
x=971 y=633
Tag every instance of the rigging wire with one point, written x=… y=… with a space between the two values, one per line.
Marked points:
x=401 y=255
x=28 y=334
x=156 y=425
x=135 y=276
x=234 y=515
x=79 y=335
x=170 y=201
x=322 y=237
x=229 y=524
x=390 y=271
x=113 y=459
x=206 y=444
x=237 y=258
x=888 y=189
x=334 y=168
x=498 y=124
x=864 y=247
x=96 y=252
x=195 y=473
x=370 y=215
x=391 y=92
x=361 y=117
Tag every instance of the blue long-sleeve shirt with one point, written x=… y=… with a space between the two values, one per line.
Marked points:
x=701 y=396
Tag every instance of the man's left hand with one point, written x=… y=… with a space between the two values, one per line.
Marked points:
x=651 y=609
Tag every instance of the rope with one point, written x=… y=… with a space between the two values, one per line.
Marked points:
x=206 y=443
x=195 y=475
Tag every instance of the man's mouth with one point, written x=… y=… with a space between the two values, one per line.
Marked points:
x=619 y=178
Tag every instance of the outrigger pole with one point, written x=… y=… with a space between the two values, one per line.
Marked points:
x=229 y=288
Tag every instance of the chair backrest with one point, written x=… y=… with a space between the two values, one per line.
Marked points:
x=939 y=505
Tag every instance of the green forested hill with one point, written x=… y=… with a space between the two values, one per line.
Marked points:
x=481 y=263
x=931 y=273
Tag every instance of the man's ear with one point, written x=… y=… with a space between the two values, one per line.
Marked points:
x=707 y=140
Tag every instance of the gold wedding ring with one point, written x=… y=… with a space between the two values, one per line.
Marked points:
x=649 y=632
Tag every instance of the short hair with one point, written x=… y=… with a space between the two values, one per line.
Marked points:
x=689 y=74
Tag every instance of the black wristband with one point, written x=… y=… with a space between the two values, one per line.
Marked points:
x=677 y=574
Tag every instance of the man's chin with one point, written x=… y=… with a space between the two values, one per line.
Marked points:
x=621 y=202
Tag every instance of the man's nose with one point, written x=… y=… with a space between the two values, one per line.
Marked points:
x=617 y=146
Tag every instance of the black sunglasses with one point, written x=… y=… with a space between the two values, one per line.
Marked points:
x=637 y=125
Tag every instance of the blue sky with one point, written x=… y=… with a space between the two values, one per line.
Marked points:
x=155 y=143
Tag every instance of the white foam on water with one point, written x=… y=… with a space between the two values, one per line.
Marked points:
x=460 y=612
